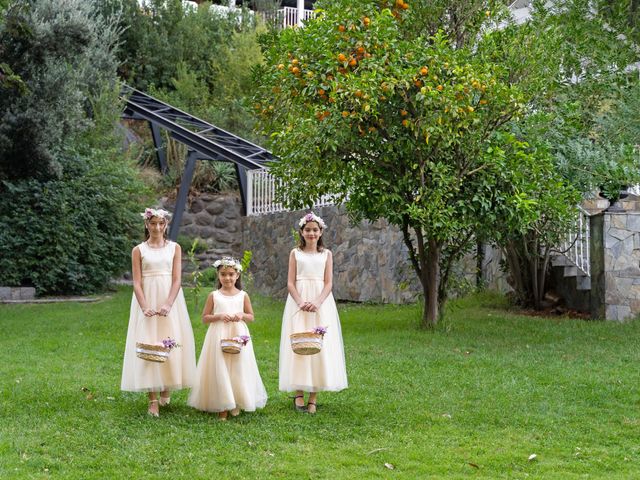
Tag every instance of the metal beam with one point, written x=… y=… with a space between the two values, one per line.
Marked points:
x=183 y=193
x=158 y=145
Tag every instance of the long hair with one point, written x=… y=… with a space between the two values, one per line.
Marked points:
x=146 y=230
x=302 y=243
x=238 y=280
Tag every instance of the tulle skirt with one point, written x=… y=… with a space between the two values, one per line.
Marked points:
x=324 y=371
x=226 y=381
x=178 y=371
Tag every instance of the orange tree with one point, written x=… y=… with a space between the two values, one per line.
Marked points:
x=408 y=127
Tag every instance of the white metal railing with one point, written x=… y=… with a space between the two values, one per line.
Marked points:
x=286 y=16
x=576 y=245
x=261 y=194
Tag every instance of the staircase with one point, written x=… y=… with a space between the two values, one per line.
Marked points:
x=573 y=254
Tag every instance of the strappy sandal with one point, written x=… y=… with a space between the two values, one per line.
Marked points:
x=222 y=416
x=153 y=414
x=311 y=411
x=297 y=407
x=235 y=412
x=164 y=401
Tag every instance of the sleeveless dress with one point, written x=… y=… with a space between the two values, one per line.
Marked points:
x=224 y=380
x=178 y=371
x=324 y=371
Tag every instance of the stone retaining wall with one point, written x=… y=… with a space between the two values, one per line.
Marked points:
x=216 y=219
x=370 y=259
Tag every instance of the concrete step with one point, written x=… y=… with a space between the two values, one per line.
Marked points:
x=583 y=283
x=570 y=271
x=560 y=260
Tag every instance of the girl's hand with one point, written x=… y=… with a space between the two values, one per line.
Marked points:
x=164 y=310
x=304 y=306
x=313 y=307
x=227 y=318
x=149 y=312
x=238 y=317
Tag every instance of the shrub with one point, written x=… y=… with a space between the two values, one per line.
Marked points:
x=70 y=195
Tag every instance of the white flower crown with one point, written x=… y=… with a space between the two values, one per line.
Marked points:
x=312 y=217
x=152 y=212
x=228 y=262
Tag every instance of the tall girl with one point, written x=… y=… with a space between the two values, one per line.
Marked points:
x=310 y=304
x=158 y=311
x=226 y=382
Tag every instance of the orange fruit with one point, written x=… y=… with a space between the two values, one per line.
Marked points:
x=403 y=113
x=341 y=28
x=342 y=57
x=295 y=70
x=366 y=21
x=405 y=123
x=417 y=83
x=280 y=66
x=358 y=93
x=424 y=71
x=345 y=114
x=353 y=62
x=483 y=102
x=321 y=92
x=294 y=61
x=439 y=88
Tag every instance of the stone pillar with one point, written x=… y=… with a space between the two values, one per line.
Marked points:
x=621 y=234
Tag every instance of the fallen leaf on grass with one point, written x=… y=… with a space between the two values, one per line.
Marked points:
x=389 y=466
x=111 y=398
x=532 y=457
x=472 y=465
x=446 y=415
x=377 y=450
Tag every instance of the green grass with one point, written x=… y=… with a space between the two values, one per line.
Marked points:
x=474 y=399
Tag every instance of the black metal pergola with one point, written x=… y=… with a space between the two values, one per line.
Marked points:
x=203 y=140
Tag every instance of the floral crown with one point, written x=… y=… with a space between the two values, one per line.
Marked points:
x=312 y=217
x=152 y=212
x=228 y=262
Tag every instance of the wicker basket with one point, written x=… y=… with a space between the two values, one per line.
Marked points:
x=229 y=345
x=306 y=343
x=151 y=352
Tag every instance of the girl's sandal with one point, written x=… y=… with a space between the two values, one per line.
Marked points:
x=311 y=408
x=235 y=412
x=152 y=412
x=298 y=408
x=222 y=416
x=164 y=401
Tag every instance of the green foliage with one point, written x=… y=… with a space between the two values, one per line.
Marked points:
x=411 y=128
x=196 y=273
x=69 y=193
x=197 y=60
x=198 y=245
x=56 y=57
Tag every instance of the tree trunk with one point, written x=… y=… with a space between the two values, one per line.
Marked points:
x=431 y=284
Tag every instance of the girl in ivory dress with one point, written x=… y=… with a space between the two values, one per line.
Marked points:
x=158 y=312
x=310 y=304
x=226 y=382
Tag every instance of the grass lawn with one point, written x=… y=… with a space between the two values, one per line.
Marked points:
x=473 y=399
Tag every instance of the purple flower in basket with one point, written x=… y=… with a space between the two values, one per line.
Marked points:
x=243 y=339
x=170 y=343
x=320 y=330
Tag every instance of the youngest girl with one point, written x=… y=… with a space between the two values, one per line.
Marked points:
x=227 y=382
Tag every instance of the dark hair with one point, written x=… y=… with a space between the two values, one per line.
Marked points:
x=146 y=230
x=302 y=243
x=238 y=280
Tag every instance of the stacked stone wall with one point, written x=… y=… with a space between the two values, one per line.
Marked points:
x=621 y=265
